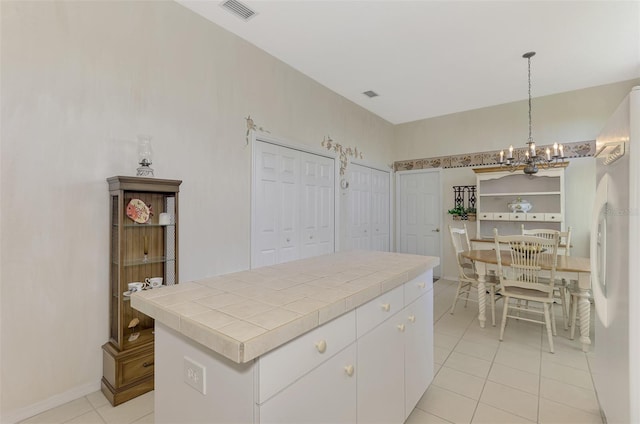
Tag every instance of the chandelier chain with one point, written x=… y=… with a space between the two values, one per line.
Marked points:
x=529 y=74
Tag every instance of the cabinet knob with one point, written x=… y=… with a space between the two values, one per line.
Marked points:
x=310 y=237
x=288 y=239
x=421 y=285
x=365 y=230
x=321 y=346
x=412 y=318
x=349 y=370
x=400 y=327
x=386 y=307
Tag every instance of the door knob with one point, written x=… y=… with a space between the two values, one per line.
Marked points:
x=437 y=230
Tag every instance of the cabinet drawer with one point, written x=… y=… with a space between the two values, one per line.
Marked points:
x=282 y=366
x=418 y=286
x=555 y=217
x=136 y=368
x=517 y=216
x=535 y=216
x=379 y=309
x=486 y=215
x=501 y=216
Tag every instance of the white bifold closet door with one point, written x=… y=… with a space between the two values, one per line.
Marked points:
x=293 y=205
x=368 y=209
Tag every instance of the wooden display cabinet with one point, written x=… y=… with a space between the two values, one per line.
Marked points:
x=139 y=250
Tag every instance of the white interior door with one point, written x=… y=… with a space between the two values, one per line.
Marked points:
x=419 y=213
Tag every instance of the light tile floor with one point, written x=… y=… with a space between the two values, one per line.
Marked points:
x=478 y=378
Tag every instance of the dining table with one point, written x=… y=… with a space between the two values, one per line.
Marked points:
x=568 y=267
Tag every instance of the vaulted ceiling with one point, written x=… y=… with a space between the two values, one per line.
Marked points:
x=432 y=58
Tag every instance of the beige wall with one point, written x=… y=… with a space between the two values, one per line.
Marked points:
x=567 y=117
x=79 y=81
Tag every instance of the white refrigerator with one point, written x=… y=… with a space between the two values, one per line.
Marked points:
x=615 y=264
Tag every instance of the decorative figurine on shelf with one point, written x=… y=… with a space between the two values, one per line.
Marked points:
x=520 y=205
x=134 y=334
x=146 y=249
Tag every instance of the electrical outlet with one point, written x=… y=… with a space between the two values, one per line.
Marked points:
x=195 y=375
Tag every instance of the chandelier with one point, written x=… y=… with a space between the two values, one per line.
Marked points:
x=532 y=159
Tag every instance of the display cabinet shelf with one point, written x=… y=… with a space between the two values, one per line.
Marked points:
x=531 y=193
x=498 y=187
x=139 y=249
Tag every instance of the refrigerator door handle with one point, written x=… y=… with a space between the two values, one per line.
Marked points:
x=599 y=250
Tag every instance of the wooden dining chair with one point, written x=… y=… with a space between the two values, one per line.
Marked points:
x=467 y=275
x=523 y=279
x=562 y=287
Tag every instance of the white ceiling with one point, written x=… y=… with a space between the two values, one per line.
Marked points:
x=432 y=58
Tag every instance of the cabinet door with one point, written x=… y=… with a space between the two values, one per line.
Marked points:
x=380 y=210
x=381 y=373
x=326 y=395
x=316 y=209
x=418 y=352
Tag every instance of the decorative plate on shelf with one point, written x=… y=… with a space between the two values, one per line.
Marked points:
x=138 y=211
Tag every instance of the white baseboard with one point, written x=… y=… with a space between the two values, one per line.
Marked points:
x=52 y=402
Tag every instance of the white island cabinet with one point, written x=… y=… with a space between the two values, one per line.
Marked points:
x=341 y=338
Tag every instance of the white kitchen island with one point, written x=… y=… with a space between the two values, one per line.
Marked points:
x=340 y=338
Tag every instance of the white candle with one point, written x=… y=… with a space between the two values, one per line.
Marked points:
x=533 y=149
x=555 y=149
x=510 y=152
x=527 y=154
x=561 y=148
x=548 y=154
x=501 y=156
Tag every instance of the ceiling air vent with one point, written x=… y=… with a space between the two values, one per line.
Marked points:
x=370 y=93
x=239 y=9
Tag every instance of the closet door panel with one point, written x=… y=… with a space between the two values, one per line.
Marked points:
x=267 y=197
x=380 y=210
x=326 y=206
x=358 y=215
x=293 y=214
x=289 y=234
x=317 y=209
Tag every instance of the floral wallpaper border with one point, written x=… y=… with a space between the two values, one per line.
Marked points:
x=572 y=150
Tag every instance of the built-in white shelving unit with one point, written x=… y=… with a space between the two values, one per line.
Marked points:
x=498 y=187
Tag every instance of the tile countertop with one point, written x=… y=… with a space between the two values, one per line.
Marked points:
x=246 y=314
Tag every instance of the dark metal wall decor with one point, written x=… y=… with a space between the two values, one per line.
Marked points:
x=578 y=149
x=464 y=199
